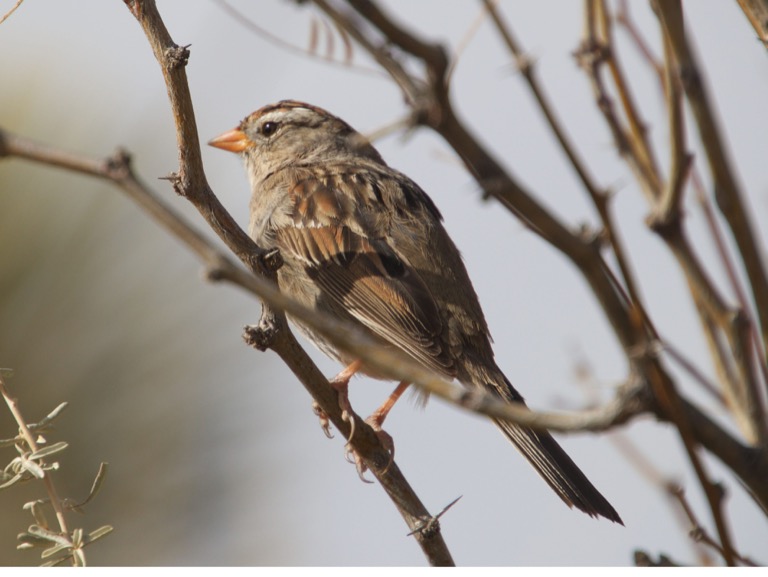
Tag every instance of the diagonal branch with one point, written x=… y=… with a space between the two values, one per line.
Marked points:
x=497 y=182
x=191 y=183
x=728 y=194
x=756 y=12
x=628 y=403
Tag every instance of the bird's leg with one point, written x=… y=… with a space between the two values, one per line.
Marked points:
x=376 y=420
x=341 y=384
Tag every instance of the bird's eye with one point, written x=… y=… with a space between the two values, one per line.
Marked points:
x=269 y=128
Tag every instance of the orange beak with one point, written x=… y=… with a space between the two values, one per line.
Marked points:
x=234 y=140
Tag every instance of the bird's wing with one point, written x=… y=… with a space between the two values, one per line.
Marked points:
x=364 y=275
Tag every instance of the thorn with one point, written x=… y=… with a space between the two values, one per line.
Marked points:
x=432 y=524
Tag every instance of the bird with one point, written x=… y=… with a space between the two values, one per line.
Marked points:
x=362 y=242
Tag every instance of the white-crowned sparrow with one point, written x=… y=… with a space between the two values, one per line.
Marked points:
x=362 y=242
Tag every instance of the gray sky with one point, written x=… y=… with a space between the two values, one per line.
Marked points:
x=216 y=457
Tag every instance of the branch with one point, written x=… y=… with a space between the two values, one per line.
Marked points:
x=727 y=190
x=31 y=442
x=495 y=181
x=741 y=364
x=276 y=40
x=33 y=462
x=117 y=170
x=629 y=328
x=756 y=12
x=628 y=403
x=697 y=532
x=191 y=183
x=11 y=11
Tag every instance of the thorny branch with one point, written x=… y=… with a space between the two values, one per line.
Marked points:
x=648 y=387
x=191 y=183
x=428 y=97
x=117 y=169
x=33 y=461
x=632 y=141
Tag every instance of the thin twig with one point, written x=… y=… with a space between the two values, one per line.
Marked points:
x=495 y=181
x=191 y=183
x=11 y=11
x=29 y=439
x=756 y=12
x=638 y=133
x=624 y=19
x=697 y=531
x=599 y=196
x=276 y=40
x=728 y=193
x=743 y=353
x=464 y=42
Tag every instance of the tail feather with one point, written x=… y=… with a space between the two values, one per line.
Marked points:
x=542 y=451
x=559 y=471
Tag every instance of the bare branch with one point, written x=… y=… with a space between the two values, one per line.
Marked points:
x=697 y=532
x=627 y=324
x=31 y=442
x=11 y=11
x=756 y=12
x=395 y=365
x=727 y=190
x=248 y=23
x=192 y=184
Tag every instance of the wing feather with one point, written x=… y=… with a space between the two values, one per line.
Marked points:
x=374 y=286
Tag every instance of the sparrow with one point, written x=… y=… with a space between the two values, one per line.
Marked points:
x=364 y=243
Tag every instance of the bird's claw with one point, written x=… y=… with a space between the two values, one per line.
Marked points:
x=325 y=422
x=354 y=457
x=384 y=438
x=349 y=417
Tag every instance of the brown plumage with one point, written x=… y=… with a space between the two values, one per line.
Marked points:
x=362 y=242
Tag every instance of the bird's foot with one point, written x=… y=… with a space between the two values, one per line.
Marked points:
x=352 y=456
x=340 y=383
x=325 y=422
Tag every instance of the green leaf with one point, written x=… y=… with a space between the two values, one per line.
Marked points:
x=49 y=450
x=53 y=550
x=9 y=442
x=52 y=536
x=79 y=556
x=100 y=474
x=13 y=480
x=29 y=540
x=37 y=512
x=33 y=468
x=98 y=533
x=44 y=422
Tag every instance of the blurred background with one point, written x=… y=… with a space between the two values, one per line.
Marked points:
x=215 y=456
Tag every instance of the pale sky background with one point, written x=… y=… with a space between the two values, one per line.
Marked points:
x=215 y=455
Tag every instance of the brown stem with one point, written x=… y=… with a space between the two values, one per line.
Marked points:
x=29 y=438
x=496 y=182
x=728 y=194
x=756 y=12
x=191 y=183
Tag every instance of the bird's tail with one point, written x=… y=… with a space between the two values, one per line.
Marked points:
x=559 y=471
x=548 y=458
